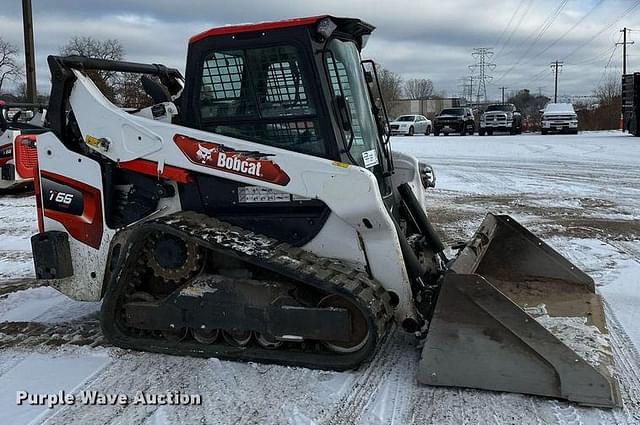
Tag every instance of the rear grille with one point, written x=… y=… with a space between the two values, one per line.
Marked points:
x=26 y=157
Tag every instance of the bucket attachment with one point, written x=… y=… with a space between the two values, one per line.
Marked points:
x=514 y=315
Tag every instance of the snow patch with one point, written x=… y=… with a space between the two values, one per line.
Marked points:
x=44 y=374
x=584 y=339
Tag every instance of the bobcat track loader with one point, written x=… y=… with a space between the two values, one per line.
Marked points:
x=257 y=212
x=18 y=155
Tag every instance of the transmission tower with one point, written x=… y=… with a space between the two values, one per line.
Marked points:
x=481 y=68
x=466 y=83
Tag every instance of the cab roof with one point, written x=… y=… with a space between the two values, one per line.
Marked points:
x=353 y=26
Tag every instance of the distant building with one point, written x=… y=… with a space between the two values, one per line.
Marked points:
x=428 y=107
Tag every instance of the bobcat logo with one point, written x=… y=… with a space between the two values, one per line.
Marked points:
x=252 y=164
x=204 y=154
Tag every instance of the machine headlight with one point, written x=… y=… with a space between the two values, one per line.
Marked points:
x=326 y=27
x=427 y=175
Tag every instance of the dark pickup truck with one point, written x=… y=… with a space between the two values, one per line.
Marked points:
x=454 y=120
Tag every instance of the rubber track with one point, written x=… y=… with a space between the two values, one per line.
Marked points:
x=15 y=285
x=33 y=334
x=328 y=275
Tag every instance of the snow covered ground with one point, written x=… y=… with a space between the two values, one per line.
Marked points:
x=17 y=224
x=581 y=193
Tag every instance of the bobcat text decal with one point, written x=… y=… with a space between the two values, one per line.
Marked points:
x=245 y=163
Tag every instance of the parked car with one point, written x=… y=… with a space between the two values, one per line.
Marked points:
x=454 y=120
x=411 y=124
x=500 y=117
x=559 y=117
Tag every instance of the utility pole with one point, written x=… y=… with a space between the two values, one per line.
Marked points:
x=29 y=53
x=482 y=66
x=556 y=66
x=503 y=88
x=624 y=49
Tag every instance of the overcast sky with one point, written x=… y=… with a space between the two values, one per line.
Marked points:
x=417 y=39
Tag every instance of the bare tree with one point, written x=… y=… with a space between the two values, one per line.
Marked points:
x=130 y=91
x=123 y=89
x=418 y=88
x=90 y=47
x=101 y=49
x=10 y=69
x=606 y=113
x=390 y=84
x=609 y=91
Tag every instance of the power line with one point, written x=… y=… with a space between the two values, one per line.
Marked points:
x=574 y=26
x=599 y=33
x=606 y=67
x=593 y=59
x=540 y=32
x=515 y=29
x=626 y=12
x=515 y=12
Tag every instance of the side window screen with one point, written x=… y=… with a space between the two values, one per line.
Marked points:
x=339 y=77
x=285 y=91
x=260 y=95
x=221 y=93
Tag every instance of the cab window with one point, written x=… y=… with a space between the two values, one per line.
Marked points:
x=261 y=95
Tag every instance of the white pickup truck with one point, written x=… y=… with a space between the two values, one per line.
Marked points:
x=559 y=117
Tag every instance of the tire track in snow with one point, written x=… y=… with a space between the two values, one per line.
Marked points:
x=566 y=414
x=627 y=366
x=626 y=355
x=626 y=248
x=351 y=408
x=392 y=401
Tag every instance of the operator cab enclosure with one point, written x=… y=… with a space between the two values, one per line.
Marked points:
x=295 y=84
x=278 y=83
